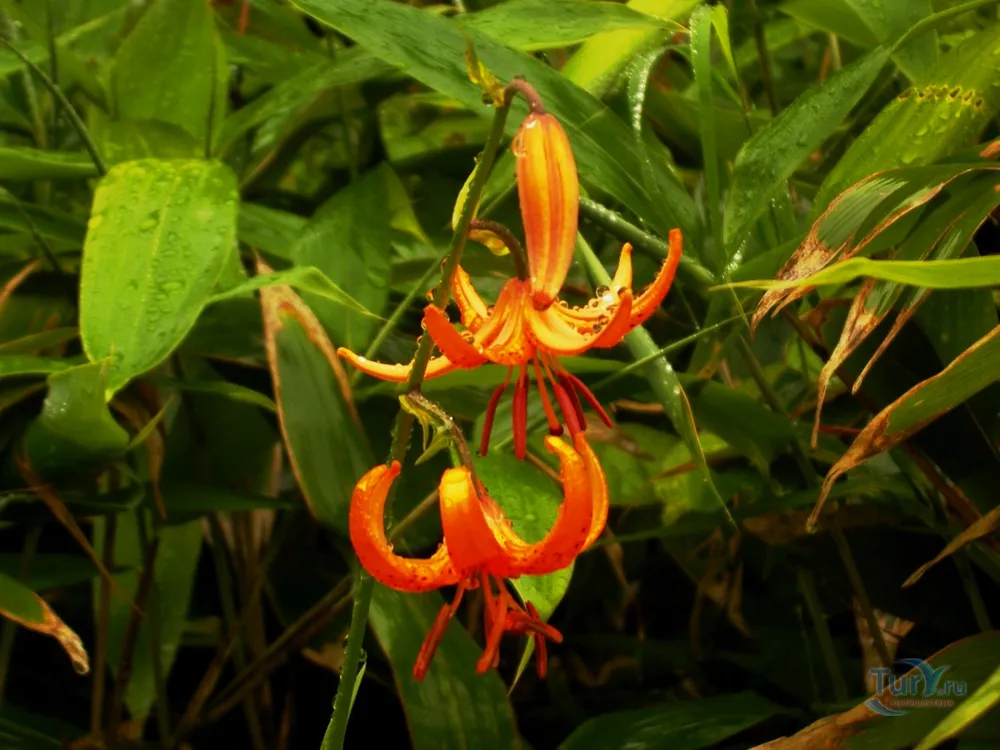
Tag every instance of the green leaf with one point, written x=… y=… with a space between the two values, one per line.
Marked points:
x=159 y=236
x=75 y=427
x=50 y=571
x=20 y=730
x=773 y=154
x=977 y=704
x=50 y=224
x=172 y=69
x=232 y=391
x=25 y=607
x=20 y=163
x=961 y=273
x=126 y=140
x=270 y=230
x=348 y=240
x=598 y=62
x=351 y=67
x=890 y=19
x=684 y=725
x=185 y=500
x=328 y=450
x=169 y=598
x=544 y=24
x=943 y=111
x=453 y=707
x=834 y=16
x=432 y=49
x=304 y=278
x=701 y=58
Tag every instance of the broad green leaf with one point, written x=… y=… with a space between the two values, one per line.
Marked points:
x=942 y=112
x=269 y=230
x=682 y=725
x=701 y=62
x=351 y=67
x=126 y=140
x=326 y=445
x=453 y=707
x=169 y=598
x=158 y=239
x=21 y=163
x=37 y=341
x=773 y=154
x=348 y=240
x=421 y=128
x=432 y=49
x=75 y=427
x=25 y=607
x=232 y=391
x=890 y=19
x=599 y=60
x=834 y=16
x=545 y=24
x=982 y=700
x=172 y=68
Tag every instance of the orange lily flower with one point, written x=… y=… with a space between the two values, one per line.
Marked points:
x=481 y=549
x=529 y=324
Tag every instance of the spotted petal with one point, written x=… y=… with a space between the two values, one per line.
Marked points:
x=367 y=527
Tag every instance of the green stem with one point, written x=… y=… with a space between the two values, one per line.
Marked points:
x=57 y=93
x=766 y=73
x=512 y=243
x=693 y=273
x=333 y=739
x=808 y=588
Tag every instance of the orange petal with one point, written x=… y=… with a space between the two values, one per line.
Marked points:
x=598 y=486
x=396 y=373
x=653 y=294
x=549 y=191
x=473 y=310
x=558 y=332
x=614 y=331
x=471 y=542
x=453 y=345
x=367 y=527
x=568 y=534
x=623 y=276
x=511 y=344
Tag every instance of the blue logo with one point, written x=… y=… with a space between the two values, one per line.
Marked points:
x=922 y=688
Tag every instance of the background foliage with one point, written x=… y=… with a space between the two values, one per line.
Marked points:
x=179 y=442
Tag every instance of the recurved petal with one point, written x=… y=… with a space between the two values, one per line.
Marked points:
x=623 y=276
x=559 y=331
x=549 y=192
x=471 y=542
x=453 y=345
x=506 y=337
x=598 y=488
x=620 y=324
x=396 y=373
x=367 y=528
x=473 y=310
x=653 y=294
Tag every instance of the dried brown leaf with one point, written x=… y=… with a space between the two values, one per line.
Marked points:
x=984 y=526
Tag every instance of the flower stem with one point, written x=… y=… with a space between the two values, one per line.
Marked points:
x=337 y=729
x=516 y=251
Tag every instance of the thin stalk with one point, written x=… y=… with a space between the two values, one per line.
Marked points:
x=155 y=647
x=512 y=243
x=57 y=93
x=103 y=619
x=844 y=549
x=808 y=588
x=693 y=273
x=43 y=243
x=336 y=731
x=972 y=589
x=766 y=72
x=9 y=628
x=228 y=601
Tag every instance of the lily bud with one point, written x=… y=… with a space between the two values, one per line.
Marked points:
x=549 y=193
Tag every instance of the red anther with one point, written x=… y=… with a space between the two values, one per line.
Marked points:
x=491 y=412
